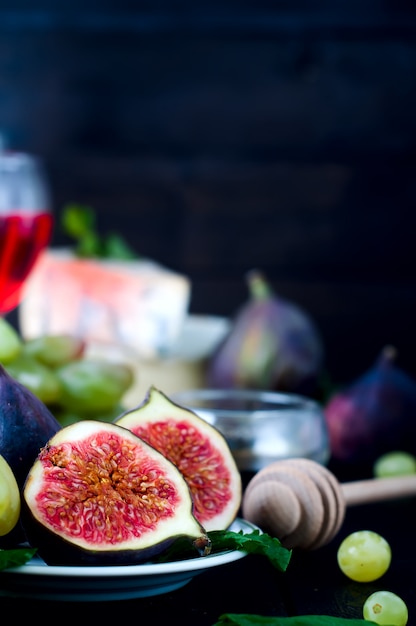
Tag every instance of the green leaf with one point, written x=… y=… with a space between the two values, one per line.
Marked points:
x=115 y=247
x=224 y=540
x=77 y=220
x=89 y=246
x=253 y=543
x=15 y=557
x=233 y=619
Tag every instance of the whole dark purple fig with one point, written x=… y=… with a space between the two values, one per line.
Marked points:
x=272 y=344
x=26 y=424
x=374 y=415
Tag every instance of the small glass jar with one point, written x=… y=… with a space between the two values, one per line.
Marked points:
x=262 y=426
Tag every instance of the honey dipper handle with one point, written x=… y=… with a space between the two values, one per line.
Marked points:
x=378 y=489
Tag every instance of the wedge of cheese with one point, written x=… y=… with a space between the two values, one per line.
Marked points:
x=140 y=304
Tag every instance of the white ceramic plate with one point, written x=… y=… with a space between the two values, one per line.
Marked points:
x=37 y=580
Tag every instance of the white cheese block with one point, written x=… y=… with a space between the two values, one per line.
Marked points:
x=140 y=303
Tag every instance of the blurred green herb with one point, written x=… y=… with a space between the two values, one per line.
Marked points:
x=79 y=223
x=15 y=557
x=223 y=540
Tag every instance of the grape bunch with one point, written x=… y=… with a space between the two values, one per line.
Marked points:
x=57 y=370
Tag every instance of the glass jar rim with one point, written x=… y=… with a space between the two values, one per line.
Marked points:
x=261 y=403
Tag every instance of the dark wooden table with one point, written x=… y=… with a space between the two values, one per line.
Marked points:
x=312 y=584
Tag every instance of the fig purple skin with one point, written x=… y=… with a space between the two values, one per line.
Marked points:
x=273 y=344
x=60 y=552
x=374 y=415
x=26 y=424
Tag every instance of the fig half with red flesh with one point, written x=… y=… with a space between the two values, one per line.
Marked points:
x=199 y=451
x=99 y=495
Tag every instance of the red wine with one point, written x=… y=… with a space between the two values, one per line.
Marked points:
x=22 y=237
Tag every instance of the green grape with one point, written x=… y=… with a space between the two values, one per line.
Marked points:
x=55 y=350
x=93 y=385
x=9 y=498
x=385 y=608
x=39 y=379
x=364 y=556
x=56 y=369
x=10 y=342
x=395 y=463
x=66 y=417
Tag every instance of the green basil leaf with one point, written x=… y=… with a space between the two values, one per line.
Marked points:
x=224 y=540
x=115 y=247
x=253 y=543
x=15 y=557
x=77 y=221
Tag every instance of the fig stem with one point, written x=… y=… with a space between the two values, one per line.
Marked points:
x=389 y=354
x=203 y=545
x=258 y=286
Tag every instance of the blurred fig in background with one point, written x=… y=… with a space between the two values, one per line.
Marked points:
x=373 y=415
x=272 y=344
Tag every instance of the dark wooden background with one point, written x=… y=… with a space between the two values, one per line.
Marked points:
x=222 y=136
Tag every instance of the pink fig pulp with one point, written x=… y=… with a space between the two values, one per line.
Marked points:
x=197 y=449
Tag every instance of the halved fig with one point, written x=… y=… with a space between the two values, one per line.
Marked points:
x=198 y=450
x=99 y=495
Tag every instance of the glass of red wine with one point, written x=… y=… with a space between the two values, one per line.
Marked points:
x=26 y=222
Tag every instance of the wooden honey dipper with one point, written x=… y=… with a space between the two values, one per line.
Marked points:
x=302 y=503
